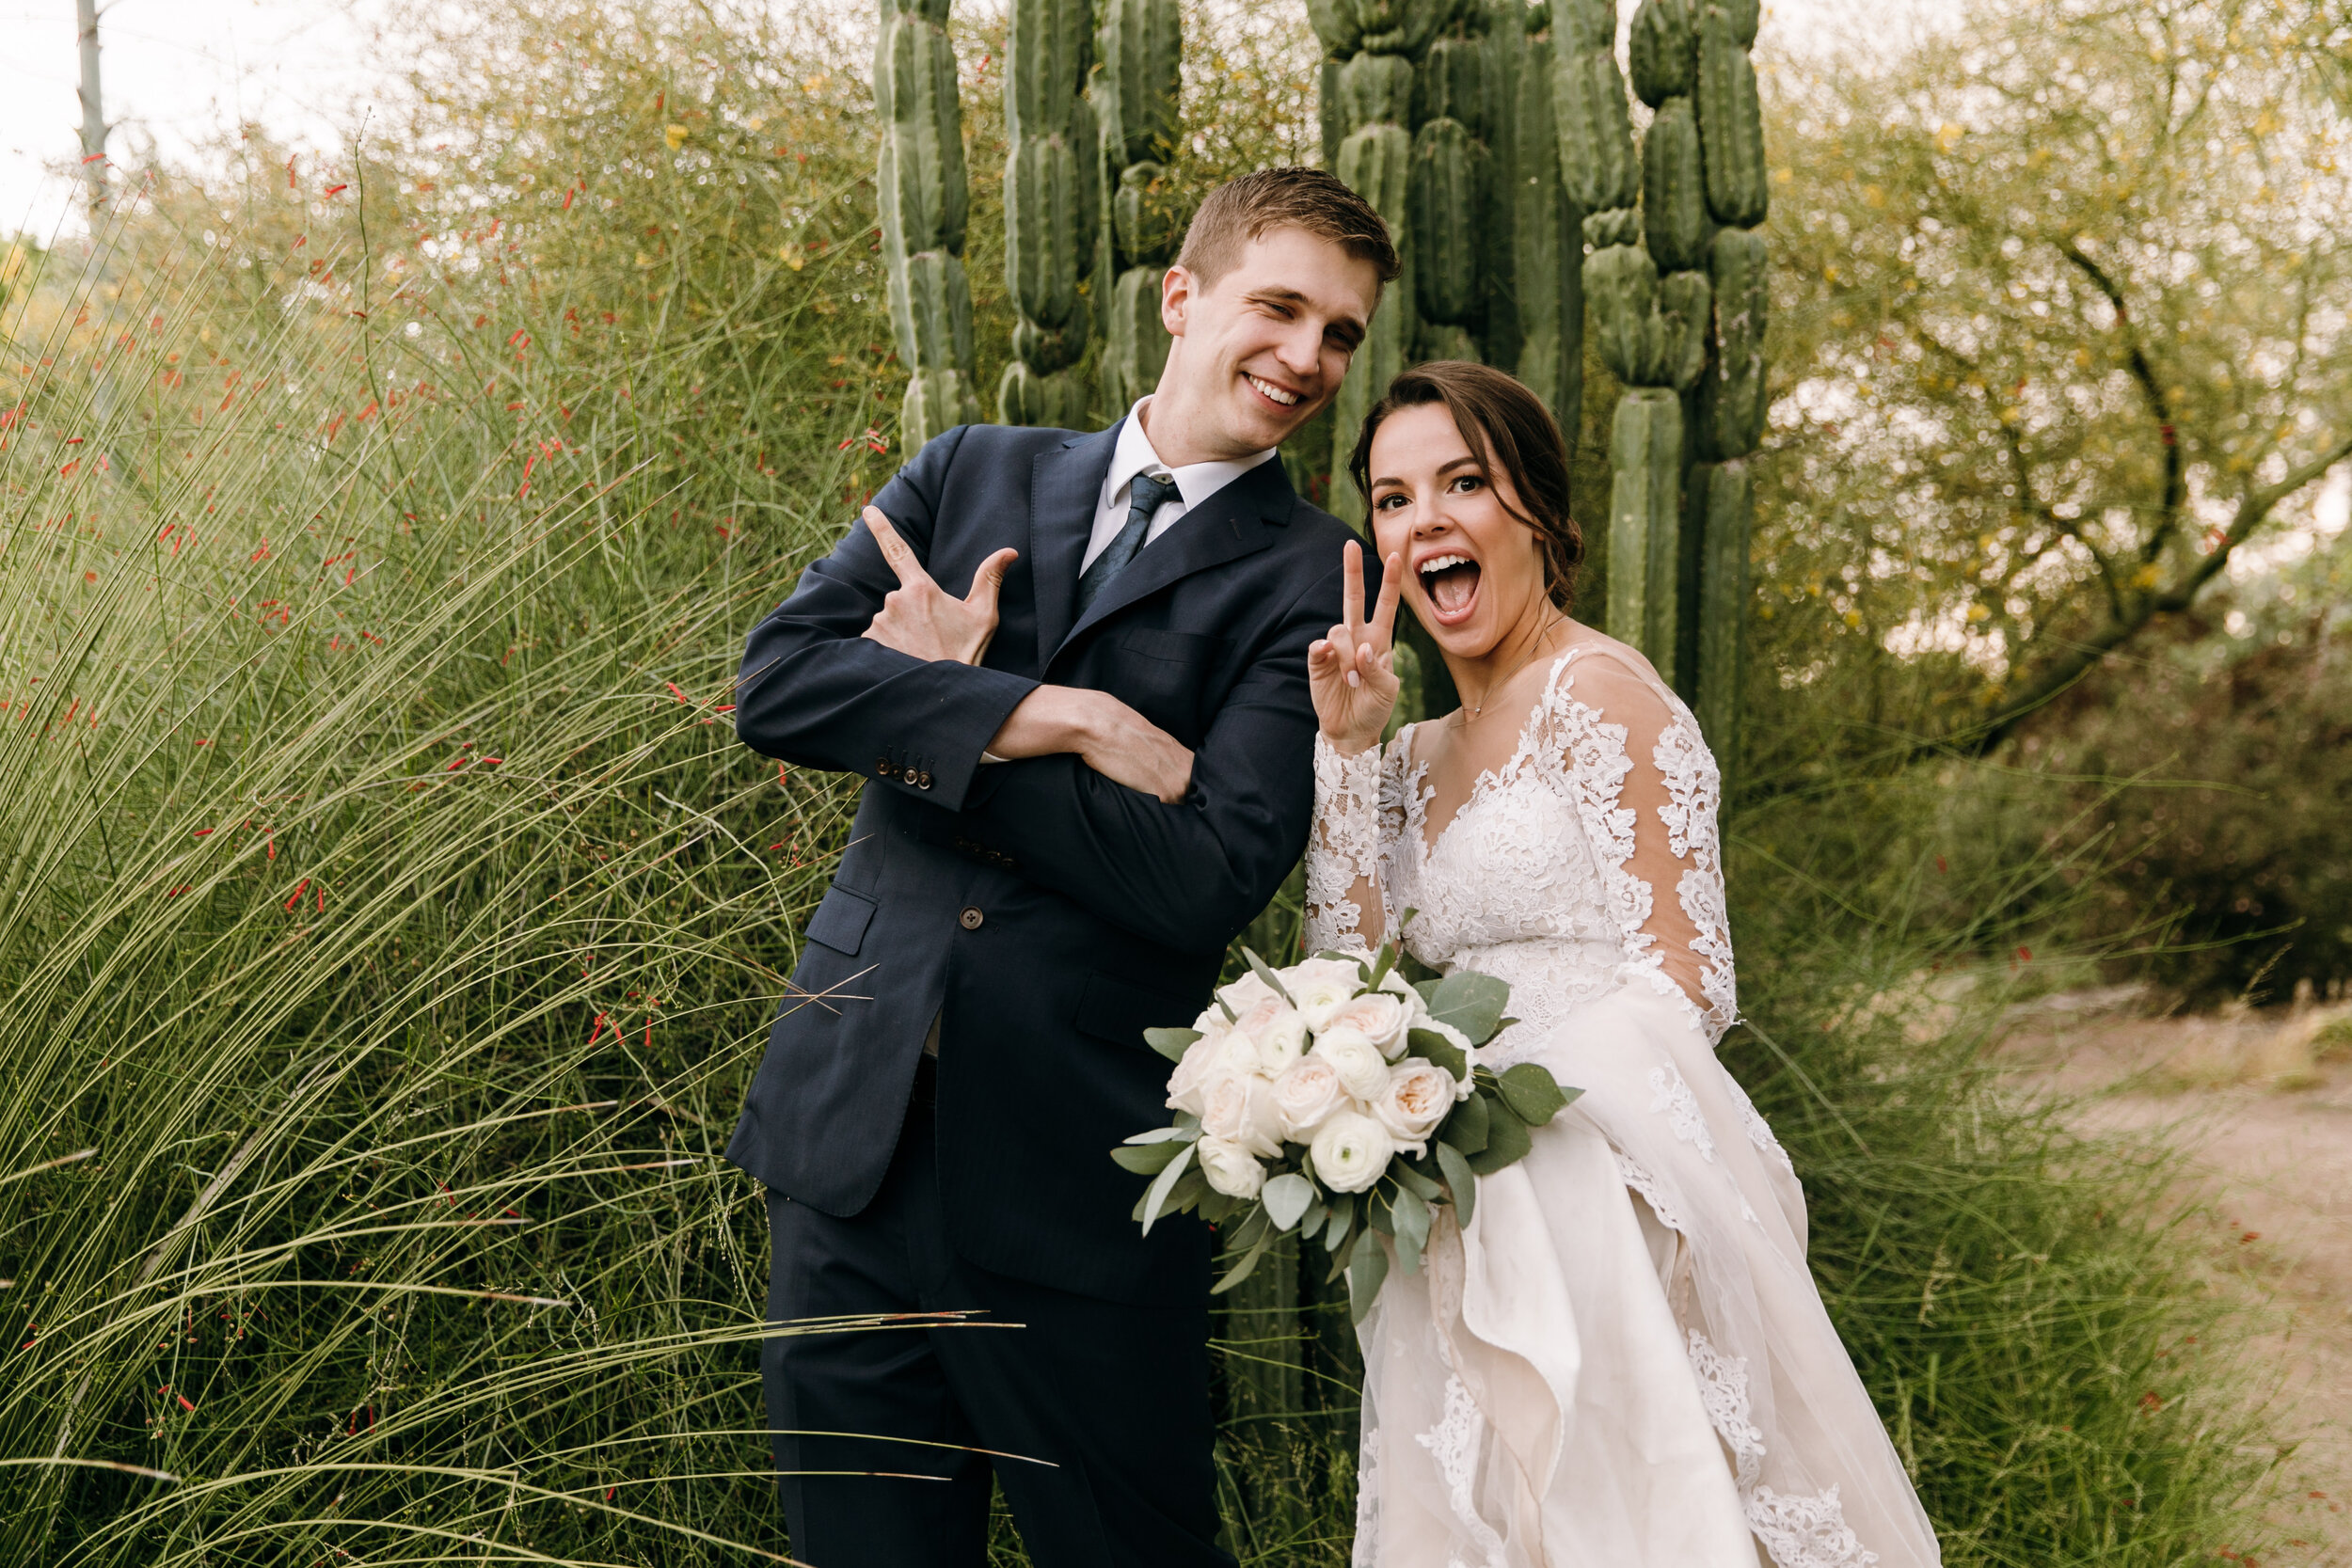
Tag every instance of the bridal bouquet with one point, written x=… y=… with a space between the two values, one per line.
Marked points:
x=1333 y=1098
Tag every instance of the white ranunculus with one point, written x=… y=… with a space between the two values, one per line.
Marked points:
x=1351 y=1152
x=1206 y=1060
x=1419 y=1096
x=1379 y=1017
x=1213 y=1020
x=1364 y=1071
x=1279 y=1032
x=1239 y=1108
x=1230 y=1167
x=1306 y=1095
x=1320 y=987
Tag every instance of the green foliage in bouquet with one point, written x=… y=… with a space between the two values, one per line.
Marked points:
x=1366 y=1176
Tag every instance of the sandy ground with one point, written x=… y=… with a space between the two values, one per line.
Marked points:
x=2261 y=1104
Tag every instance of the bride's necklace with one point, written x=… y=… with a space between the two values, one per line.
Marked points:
x=1478 y=708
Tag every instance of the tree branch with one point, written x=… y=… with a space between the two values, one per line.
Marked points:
x=2143 y=372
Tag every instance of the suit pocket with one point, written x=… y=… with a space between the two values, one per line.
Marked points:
x=841 y=920
x=1114 y=1010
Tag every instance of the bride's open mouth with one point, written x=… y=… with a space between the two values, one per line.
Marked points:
x=1450 y=582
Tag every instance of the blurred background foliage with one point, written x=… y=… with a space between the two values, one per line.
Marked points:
x=388 y=908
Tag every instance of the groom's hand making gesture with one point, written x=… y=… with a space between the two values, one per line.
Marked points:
x=919 y=619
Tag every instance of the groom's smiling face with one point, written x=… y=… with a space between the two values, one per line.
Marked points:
x=1262 y=347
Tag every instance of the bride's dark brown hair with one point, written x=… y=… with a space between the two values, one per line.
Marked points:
x=1504 y=423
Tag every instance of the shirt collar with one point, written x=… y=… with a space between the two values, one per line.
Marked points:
x=1195 y=481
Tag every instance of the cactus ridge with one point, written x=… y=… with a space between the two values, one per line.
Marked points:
x=1734 y=394
x=1135 y=349
x=1596 y=162
x=1645 y=520
x=1147 y=215
x=1048 y=228
x=1142 y=51
x=925 y=139
x=1452 y=85
x=1444 y=198
x=1731 y=123
x=1585 y=25
x=936 y=401
x=1684 y=313
x=1674 y=190
x=1376 y=90
x=1047 y=53
x=1730 y=512
x=1662 y=50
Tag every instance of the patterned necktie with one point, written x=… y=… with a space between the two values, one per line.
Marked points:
x=1145 y=497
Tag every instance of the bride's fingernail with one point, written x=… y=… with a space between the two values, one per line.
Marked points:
x=1354 y=679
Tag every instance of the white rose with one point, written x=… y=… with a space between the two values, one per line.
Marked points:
x=1379 y=1017
x=1230 y=1167
x=1279 y=1032
x=1364 y=1071
x=1212 y=1022
x=1351 y=1152
x=1419 y=1096
x=1206 y=1060
x=1239 y=1108
x=1245 y=994
x=1416 y=1005
x=1306 y=1096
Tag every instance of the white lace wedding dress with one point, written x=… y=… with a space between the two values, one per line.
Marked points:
x=1622 y=1360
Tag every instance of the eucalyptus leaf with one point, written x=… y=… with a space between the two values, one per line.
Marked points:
x=1437 y=1050
x=1460 y=1180
x=1413 y=1181
x=1412 y=1227
x=1163 y=1185
x=1150 y=1158
x=1507 y=1143
x=1287 y=1199
x=1242 y=1270
x=1258 y=967
x=1215 y=1206
x=1342 y=1216
x=1190 y=1189
x=1470 y=1002
x=1531 y=1093
x=1167 y=1135
x=1408 y=1254
x=1367 y=1266
x=1428 y=990
x=1311 y=1222
x=1382 y=962
x=1465 y=1125
x=1171 y=1043
x=1380 y=1209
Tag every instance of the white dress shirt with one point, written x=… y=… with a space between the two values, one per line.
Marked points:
x=1195 y=483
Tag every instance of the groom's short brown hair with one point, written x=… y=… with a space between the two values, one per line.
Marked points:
x=1240 y=210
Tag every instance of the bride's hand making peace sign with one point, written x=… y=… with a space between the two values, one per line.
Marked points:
x=1352 y=670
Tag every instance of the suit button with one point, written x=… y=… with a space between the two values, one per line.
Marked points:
x=885 y=768
x=922 y=781
x=970 y=919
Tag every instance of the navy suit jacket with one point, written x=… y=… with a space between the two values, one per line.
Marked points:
x=1046 y=914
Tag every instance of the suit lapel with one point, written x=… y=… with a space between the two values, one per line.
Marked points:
x=1065 y=487
x=1234 y=522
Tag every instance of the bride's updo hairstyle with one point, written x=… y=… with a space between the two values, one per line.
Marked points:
x=1505 y=424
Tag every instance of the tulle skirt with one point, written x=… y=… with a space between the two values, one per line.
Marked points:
x=1622 y=1360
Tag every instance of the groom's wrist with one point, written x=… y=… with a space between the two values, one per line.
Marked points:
x=1049 y=720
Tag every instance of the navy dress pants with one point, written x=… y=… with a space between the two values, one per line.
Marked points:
x=1093 y=1414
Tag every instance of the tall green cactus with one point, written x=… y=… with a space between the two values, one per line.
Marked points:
x=1052 y=209
x=1441 y=114
x=1143 y=222
x=1678 y=300
x=925 y=203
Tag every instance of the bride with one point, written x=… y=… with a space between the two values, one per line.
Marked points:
x=1622 y=1360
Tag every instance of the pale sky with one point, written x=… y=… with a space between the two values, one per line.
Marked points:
x=177 y=69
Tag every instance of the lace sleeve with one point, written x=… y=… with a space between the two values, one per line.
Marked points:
x=1647 y=788
x=1344 y=908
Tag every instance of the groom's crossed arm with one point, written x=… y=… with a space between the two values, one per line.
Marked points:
x=815 y=691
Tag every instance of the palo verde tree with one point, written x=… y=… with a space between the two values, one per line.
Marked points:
x=2067 y=312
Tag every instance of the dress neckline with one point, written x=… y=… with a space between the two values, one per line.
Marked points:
x=1419 y=793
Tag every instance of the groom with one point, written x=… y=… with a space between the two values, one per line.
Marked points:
x=1085 y=778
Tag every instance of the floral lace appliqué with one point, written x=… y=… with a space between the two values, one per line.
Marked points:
x=1344 y=848
x=1694 y=791
x=1453 y=1443
x=1671 y=1094
x=1799 y=1531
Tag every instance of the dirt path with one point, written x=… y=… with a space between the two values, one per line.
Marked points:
x=2267 y=1121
